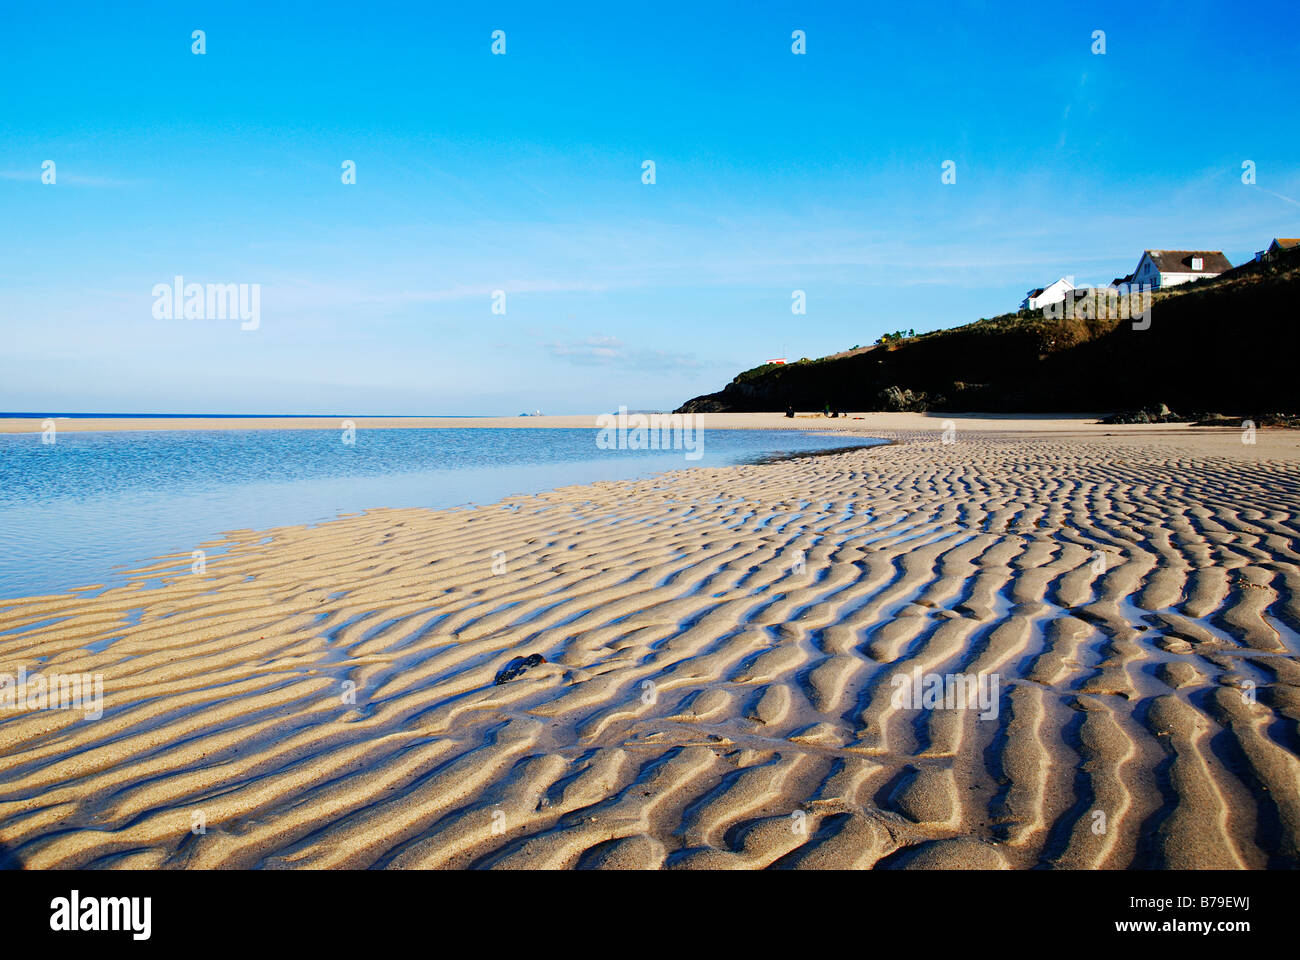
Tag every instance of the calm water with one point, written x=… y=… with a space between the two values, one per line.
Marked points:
x=83 y=509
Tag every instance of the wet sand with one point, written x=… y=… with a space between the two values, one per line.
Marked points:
x=721 y=647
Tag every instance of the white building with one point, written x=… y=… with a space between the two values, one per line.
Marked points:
x=1167 y=268
x=1052 y=293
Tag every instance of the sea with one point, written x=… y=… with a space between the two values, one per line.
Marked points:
x=92 y=505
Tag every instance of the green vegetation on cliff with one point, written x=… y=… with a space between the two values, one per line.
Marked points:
x=1226 y=344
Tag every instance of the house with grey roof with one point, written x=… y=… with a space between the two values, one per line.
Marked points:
x=1166 y=268
x=1277 y=246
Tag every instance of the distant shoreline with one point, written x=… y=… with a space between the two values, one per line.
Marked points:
x=867 y=423
x=107 y=415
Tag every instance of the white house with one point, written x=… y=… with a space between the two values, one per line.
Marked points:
x=1052 y=293
x=1166 y=268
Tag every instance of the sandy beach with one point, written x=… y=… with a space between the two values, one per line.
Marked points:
x=724 y=651
x=861 y=423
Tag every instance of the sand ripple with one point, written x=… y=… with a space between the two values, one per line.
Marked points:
x=719 y=646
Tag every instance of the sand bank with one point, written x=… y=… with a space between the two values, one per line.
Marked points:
x=720 y=688
x=859 y=423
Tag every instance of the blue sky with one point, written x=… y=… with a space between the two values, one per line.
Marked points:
x=522 y=173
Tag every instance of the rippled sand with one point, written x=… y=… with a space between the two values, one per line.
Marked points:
x=719 y=647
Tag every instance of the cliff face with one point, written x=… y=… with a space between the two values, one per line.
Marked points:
x=1226 y=345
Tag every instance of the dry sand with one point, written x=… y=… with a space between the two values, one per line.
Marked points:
x=707 y=700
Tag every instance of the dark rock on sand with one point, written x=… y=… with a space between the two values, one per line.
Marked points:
x=517 y=666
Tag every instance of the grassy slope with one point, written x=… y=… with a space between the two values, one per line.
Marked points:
x=1226 y=345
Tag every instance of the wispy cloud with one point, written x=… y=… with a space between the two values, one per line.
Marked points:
x=607 y=350
x=1280 y=197
x=61 y=178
